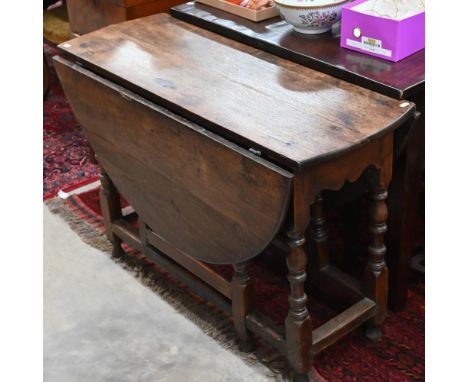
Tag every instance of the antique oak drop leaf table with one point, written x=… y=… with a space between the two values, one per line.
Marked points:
x=399 y=80
x=221 y=149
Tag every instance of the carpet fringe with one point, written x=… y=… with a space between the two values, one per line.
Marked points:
x=212 y=322
x=89 y=234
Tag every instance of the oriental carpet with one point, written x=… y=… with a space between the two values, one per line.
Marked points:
x=66 y=162
x=398 y=356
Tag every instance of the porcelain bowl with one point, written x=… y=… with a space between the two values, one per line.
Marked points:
x=311 y=16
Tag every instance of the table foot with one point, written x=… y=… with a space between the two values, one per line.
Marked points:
x=109 y=200
x=242 y=295
x=374 y=333
x=300 y=377
x=117 y=250
x=247 y=345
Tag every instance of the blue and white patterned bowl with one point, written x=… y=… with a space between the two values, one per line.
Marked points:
x=311 y=16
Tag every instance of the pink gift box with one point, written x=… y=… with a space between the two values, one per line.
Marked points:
x=381 y=37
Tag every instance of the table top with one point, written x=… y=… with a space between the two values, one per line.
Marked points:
x=322 y=52
x=293 y=115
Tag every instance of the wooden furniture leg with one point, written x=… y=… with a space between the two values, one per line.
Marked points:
x=111 y=210
x=405 y=191
x=376 y=273
x=242 y=296
x=320 y=231
x=298 y=324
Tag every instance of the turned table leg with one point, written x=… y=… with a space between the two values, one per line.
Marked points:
x=111 y=210
x=376 y=274
x=298 y=324
x=320 y=231
x=404 y=194
x=242 y=296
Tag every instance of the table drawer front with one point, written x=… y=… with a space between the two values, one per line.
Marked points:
x=210 y=198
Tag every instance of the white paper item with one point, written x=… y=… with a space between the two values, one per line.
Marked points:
x=392 y=9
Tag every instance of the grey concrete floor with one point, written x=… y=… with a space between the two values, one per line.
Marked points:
x=101 y=324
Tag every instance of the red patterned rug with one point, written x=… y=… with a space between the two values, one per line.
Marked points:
x=66 y=163
x=398 y=356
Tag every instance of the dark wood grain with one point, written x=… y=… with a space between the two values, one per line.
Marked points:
x=404 y=199
x=224 y=206
x=89 y=15
x=198 y=268
x=266 y=329
x=349 y=167
x=242 y=296
x=401 y=80
x=298 y=325
x=376 y=272
x=336 y=286
x=295 y=115
x=109 y=200
x=126 y=232
x=86 y=16
x=332 y=330
x=321 y=52
x=320 y=232
x=199 y=191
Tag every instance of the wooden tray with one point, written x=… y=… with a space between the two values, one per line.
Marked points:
x=261 y=15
